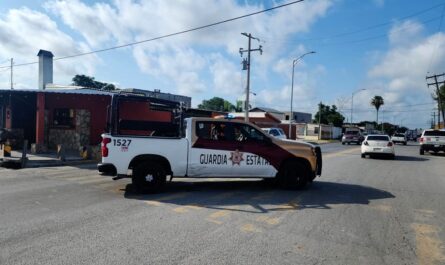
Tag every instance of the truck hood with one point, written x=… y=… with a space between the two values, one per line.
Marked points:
x=296 y=147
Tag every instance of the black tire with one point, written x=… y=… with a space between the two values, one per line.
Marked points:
x=421 y=152
x=156 y=182
x=363 y=156
x=349 y=143
x=343 y=143
x=294 y=174
x=404 y=143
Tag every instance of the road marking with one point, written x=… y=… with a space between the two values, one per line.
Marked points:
x=429 y=248
x=187 y=208
x=381 y=207
x=153 y=203
x=269 y=220
x=219 y=214
x=343 y=152
x=250 y=228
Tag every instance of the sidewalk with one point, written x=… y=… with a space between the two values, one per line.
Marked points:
x=43 y=160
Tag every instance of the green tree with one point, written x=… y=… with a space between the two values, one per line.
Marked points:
x=217 y=104
x=377 y=102
x=329 y=115
x=89 y=82
x=439 y=96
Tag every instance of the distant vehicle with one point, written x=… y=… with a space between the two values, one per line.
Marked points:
x=411 y=135
x=432 y=140
x=352 y=135
x=378 y=145
x=275 y=132
x=399 y=138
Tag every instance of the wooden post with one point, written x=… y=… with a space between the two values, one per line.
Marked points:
x=24 y=158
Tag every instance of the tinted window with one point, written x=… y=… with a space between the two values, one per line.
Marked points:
x=274 y=132
x=352 y=132
x=378 y=138
x=399 y=135
x=434 y=133
x=213 y=131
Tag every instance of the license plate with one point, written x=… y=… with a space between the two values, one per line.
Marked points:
x=377 y=149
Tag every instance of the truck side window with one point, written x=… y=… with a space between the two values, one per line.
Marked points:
x=213 y=131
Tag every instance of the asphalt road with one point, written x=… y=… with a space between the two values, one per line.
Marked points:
x=361 y=211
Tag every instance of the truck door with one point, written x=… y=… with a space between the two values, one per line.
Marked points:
x=255 y=150
x=210 y=153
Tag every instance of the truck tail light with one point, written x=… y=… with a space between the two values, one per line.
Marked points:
x=421 y=139
x=105 y=141
x=390 y=144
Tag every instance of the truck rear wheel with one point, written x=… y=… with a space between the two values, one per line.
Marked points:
x=294 y=175
x=148 y=177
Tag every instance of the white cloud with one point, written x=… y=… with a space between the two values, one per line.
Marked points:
x=227 y=77
x=23 y=32
x=181 y=58
x=399 y=74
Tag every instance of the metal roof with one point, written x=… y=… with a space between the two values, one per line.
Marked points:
x=61 y=91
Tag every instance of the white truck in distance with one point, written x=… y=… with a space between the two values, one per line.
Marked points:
x=149 y=151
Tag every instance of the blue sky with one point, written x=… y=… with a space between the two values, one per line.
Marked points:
x=386 y=47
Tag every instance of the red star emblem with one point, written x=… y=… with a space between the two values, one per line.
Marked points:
x=236 y=157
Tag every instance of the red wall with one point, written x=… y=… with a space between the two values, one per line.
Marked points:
x=134 y=110
x=96 y=104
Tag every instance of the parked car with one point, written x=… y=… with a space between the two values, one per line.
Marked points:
x=399 y=138
x=275 y=132
x=378 y=145
x=432 y=140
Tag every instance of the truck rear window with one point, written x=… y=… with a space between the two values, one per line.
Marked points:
x=434 y=133
x=378 y=138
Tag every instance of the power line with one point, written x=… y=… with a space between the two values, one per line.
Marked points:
x=337 y=35
x=171 y=34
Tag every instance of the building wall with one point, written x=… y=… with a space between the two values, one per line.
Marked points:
x=95 y=104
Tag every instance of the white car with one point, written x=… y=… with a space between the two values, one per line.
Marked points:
x=275 y=132
x=399 y=138
x=378 y=145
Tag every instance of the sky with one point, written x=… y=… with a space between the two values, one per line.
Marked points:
x=366 y=47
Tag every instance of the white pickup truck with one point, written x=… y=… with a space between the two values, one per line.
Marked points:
x=202 y=147
x=432 y=140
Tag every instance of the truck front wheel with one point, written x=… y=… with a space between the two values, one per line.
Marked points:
x=148 y=177
x=294 y=175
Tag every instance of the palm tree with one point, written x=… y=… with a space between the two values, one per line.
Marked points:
x=377 y=102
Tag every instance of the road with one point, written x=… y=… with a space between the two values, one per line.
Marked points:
x=361 y=211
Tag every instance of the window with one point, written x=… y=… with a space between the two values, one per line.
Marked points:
x=434 y=133
x=213 y=131
x=378 y=138
x=63 y=118
x=274 y=132
x=227 y=131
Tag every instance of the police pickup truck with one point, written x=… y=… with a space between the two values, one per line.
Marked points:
x=151 y=140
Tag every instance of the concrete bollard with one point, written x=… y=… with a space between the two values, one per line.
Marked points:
x=61 y=152
x=24 y=158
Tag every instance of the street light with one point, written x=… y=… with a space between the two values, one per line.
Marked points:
x=352 y=101
x=294 y=62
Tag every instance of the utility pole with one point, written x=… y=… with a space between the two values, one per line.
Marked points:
x=12 y=64
x=241 y=51
x=439 y=103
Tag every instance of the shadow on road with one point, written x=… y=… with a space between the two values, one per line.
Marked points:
x=410 y=158
x=262 y=198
